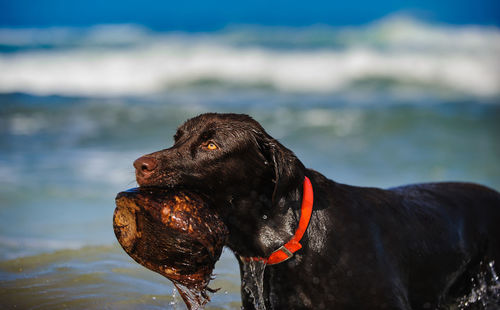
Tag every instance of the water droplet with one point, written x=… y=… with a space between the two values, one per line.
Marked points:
x=194 y=297
x=174 y=296
x=485 y=290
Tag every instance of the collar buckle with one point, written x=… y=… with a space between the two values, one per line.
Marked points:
x=286 y=251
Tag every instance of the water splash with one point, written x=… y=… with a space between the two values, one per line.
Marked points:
x=174 y=301
x=485 y=293
x=252 y=282
x=195 y=297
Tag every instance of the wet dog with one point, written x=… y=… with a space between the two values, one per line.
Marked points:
x=409 y=247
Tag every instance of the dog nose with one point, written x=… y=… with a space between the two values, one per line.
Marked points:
x=145 y=165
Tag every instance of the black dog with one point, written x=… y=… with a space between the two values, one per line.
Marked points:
x=410 y=247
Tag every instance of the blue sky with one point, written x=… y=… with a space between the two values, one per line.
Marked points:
x=211 y=15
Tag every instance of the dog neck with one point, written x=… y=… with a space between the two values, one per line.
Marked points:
x=286 y=250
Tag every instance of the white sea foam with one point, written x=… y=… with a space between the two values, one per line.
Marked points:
x=399 y=52
x=106 y=167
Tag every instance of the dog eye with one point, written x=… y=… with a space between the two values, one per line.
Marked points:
x=211 y=146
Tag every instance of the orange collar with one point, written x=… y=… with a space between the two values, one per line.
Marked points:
x=286 y=251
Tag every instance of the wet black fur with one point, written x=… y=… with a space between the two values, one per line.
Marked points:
x=410 y=247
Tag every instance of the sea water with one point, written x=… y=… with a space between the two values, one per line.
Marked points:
x=395 y=102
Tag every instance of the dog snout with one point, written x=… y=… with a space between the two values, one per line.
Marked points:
x=145 y=166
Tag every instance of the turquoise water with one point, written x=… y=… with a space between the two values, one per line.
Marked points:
x=76 y=110
x=63 y=160
x=99 y=278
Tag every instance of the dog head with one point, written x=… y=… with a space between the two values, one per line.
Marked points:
x=227 y=155
x=231 y=160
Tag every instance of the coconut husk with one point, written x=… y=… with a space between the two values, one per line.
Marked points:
x=175 y=234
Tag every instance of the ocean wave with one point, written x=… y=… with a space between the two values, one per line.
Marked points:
x=18 y=247
x=399 y=54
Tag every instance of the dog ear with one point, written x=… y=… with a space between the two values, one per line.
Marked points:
x=288 y=169
x=289 y=172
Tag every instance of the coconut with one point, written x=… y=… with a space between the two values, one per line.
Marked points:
x=176 y=234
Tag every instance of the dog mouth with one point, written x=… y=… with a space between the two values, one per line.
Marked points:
x=168 y=180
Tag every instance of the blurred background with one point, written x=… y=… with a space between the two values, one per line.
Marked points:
x=369 y=93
